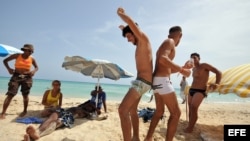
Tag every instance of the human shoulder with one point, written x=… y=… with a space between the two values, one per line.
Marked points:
x=167 y=45
x=48 y=91
x=60 y=95
x=16 y=55
x=206 y=66
x=32 y=57
x=143 y=35
x=11 y=57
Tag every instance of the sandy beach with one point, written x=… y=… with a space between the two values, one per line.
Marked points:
x=209 y=126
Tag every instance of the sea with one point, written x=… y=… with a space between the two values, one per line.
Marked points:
x=114 y=92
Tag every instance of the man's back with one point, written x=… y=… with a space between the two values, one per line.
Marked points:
x=165 y=52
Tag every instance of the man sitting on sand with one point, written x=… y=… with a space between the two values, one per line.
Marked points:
x=101 y=99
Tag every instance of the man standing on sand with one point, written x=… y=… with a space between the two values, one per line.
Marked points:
x=197 y=91
x=143 y=58
x=163 y=90
x=21 y=76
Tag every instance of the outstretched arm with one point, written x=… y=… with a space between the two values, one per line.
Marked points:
x=129 y=21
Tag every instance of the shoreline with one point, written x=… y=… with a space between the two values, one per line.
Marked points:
x=212 y=118
x=114 y=92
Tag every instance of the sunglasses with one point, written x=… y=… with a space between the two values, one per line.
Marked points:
x=30 y=51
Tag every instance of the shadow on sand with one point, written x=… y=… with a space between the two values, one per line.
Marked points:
x=201 y=132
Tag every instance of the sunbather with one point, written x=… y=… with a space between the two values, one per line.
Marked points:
x=59 y=118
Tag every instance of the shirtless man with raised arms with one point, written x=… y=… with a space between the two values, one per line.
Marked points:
x=144 y=65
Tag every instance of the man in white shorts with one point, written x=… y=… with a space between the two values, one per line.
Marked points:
x=163 y=89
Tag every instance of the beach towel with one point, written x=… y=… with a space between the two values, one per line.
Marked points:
x=29 y=120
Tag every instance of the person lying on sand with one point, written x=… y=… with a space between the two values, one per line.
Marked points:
x=57 y=119
x=61 y=118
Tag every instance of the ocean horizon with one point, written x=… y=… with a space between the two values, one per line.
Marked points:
x=114 y=92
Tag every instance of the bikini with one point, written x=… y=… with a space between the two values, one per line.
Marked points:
x=52 y=100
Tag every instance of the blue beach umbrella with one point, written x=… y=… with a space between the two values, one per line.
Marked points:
x=7 y=50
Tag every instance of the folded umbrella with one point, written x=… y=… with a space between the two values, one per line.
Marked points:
x=234 y=80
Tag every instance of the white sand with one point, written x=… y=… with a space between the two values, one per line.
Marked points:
x=212 y=117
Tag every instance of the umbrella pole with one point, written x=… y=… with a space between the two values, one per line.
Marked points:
x=186 y=96
x=96 y=98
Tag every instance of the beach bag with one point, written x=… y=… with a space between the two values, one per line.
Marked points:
x=146 y=114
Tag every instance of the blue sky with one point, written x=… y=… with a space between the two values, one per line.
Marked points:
x=218 y=30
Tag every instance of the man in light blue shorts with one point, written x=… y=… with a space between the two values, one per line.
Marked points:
x=141 y=85
x=144 y=65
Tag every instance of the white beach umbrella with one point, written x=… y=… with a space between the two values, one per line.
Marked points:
x=95 y=68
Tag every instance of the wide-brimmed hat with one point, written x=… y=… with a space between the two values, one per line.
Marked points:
x=28 y=47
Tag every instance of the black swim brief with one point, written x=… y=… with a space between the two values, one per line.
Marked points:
x=193 y=91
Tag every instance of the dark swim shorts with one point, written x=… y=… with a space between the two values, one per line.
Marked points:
x=193 y=91
x=65 y=117
x=25 y=81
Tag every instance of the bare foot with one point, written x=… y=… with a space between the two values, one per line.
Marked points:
x=22 y=114
x=28 y=128
x=135 y=139
x=32 y=132
x=2 y=116
x=26 y=137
